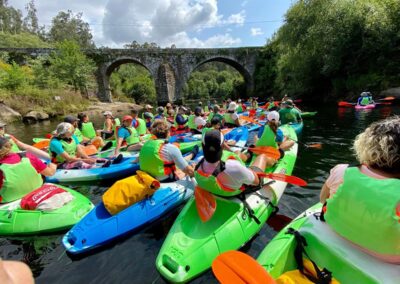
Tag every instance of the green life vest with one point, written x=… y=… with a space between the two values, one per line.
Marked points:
x=88 y=130
x=69 y=148
x=150 y=160
x=14 y=147
x=19 y=180
x=205 y=130
x=267 y=138
x=240 y=108
x=141 y=128
x=191 y=123
x=363 y=210
x=365 y=101
x=210 y=183
x=134 y=137
x=228 y=118
x=270 y=105
x=78 y=135
x=116 y=123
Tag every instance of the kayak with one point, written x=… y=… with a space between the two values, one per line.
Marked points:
x=308 y=114
x=192 y=245
x=370 y=106
x=89 y=233
x=328 y=250
x=298 y=127
x=17 y=221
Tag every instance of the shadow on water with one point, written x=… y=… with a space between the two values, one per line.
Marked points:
x=131 y=259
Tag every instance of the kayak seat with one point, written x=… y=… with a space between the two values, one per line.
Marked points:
x=342 y=258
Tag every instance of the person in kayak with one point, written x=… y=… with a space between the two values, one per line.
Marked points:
x=271 y=136
x=74 y=121
x=365 y=99
x=216 y=112
x=127 y=134
x=14 y=166
x=363 y=202
x=181 y=119
x=196 y=122
x=160 y=158
x=148 y=109
x=222 y=172
x=160 y=113
x=138 y=123
x=216 y=124
x=289 y=114
x=110 y=124
x=231 y=118
x=86 y=126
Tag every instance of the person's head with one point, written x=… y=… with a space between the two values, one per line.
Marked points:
x=198 y=111
x=168 y=106
x=108 y=114
x=134 y=113
x=83 y=117
x=148 y=108
x=147 y=115
x=160 y=129
x=127 y=120
x=378 y=146
x=171 y=112
x=182 y=110
x=5 y=147
x=212 y=144
x=289 y=103
x=273 y=120
x=71 y=119
x=2 y=128
x=232 y=107
x=188 y=111
x=271 y=99
x=64 y=130
x=216 y=122
x=200 y=104
x=216 y=109
x=364 y=94
x=160 y=110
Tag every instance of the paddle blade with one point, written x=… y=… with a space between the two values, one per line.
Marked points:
x=315 y=146
x=205 y=204
x=285 y=178
x=248 y=119
x=42 y=144
x=345 y=104
x=266 y=150
x=387 y=99
x=238 y=267
x=90 y=150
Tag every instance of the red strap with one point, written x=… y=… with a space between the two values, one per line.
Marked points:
x=33 y=199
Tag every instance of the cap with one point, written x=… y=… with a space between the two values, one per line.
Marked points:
x=127 y=117
x=70 y=119
x=273 y=115
x=63 y=128
x=232 y=106
x=147 y=115
x=213 y=146
x=183 y=108
x=147 y=106
x=2 y=124
x=107 y=113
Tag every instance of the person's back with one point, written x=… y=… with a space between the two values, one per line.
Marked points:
x=289 y=114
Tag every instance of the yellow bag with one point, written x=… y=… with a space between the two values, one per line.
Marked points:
x=128 y=191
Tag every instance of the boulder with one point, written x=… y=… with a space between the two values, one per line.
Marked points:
x=393 y=92
x=34 y=116
x=7 y=114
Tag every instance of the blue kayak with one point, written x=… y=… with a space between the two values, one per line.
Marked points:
x=298 y=127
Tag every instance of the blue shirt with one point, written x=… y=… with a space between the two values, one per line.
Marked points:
x=180 y=120
x=123 y=133
x=56 y=146
x=279 y=134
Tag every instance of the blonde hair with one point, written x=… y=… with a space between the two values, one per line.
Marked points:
x=5 y=149
x=160 y=128
x=379 y=145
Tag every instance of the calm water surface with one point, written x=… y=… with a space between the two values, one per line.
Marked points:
x=131 y=260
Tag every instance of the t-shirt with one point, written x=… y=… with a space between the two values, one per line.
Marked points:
x=123 y=133
x=14 y=158
x=234 y=176
x=56 y=146
x=289 y=115
x=199 y=121
x=171 y=153
x=279 y=134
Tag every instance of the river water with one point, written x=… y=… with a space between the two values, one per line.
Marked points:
x=131 y=259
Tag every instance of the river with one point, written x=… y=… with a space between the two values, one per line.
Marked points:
x=131 y=259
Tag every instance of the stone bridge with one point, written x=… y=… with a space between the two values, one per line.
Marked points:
x=169 y=67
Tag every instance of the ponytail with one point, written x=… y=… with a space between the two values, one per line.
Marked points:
x=273 y=125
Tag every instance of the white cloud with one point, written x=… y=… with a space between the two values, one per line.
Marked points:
x=256 y=32
x=244 y=3
x=237 y=19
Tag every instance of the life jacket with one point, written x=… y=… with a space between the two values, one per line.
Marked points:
x=133 y=138
x=209 y=182
x=267 y=138
x=70 y=148
x=240 y=108
x=14 y=147
x=363 y=210
x=150 y=160
x=88 y=130
x=78 y=135
x=191 y=123
x=19 y=179
x=228 y=118
x=116 y=123
x=205 y=130
x=365 y=101
x=141 y=126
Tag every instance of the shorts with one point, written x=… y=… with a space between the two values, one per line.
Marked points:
x=106 y=134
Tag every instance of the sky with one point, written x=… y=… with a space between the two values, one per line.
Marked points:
x=185 y=23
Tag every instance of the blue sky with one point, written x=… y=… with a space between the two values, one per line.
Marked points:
x=186 y=23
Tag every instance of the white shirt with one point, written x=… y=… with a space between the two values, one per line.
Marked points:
x=199 y=121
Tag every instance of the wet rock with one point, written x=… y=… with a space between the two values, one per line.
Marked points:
x=7 y=114
x=34 y=116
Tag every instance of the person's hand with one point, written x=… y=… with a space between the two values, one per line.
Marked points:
x=89 y=160
x=15 y=272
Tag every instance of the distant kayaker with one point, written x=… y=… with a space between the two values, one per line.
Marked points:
x=74 y=121
x=20 y=173
x=110 y=123
x=127 y=136
x=148 y=108
x=271 y=136
x=288 y=113
x=138 y=123
x=86 y=126
x=365 y=99
x=160 y=158
x=363 y=202
x=181 y=119
x=216 y=112
x=148 y=118
x=231 y=118
x=160 y=113
x=199 y=121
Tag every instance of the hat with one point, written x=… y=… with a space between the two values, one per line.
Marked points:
x=107 y=113
x=147 y=115
x=127 y=117
x=70 y=119
x=273 y=115
x=63 y=128
x=289 y=103
x=213 y=142
x=147 y=106
x=232 y=106
x=2 y=124
x=183 y=108
x=160 y=109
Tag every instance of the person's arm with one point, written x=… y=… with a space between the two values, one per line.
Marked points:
x=179 y=160
x=324 y=195
x=236 y=118
x=49 y=170
x=109 y=125
x=118 y=146
x=30 y=149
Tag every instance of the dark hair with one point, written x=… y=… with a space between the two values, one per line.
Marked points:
x=160 y=129
x=81 y=117
x=273 y=125
x=215 y=120
x=134 y=111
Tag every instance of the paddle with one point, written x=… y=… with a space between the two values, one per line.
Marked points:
x=346 y=104
x=42 y=144
x=387 y=99
x=285 y=178
x=205 y=203
x=238 y=267
x=249 y=119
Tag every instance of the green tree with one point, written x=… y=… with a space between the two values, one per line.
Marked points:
x=67 y=26
x=31 y=22
x=10 y=19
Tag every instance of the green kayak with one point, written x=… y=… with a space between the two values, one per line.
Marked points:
x=17 y=221
x=192 y=245
x=347 y=263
